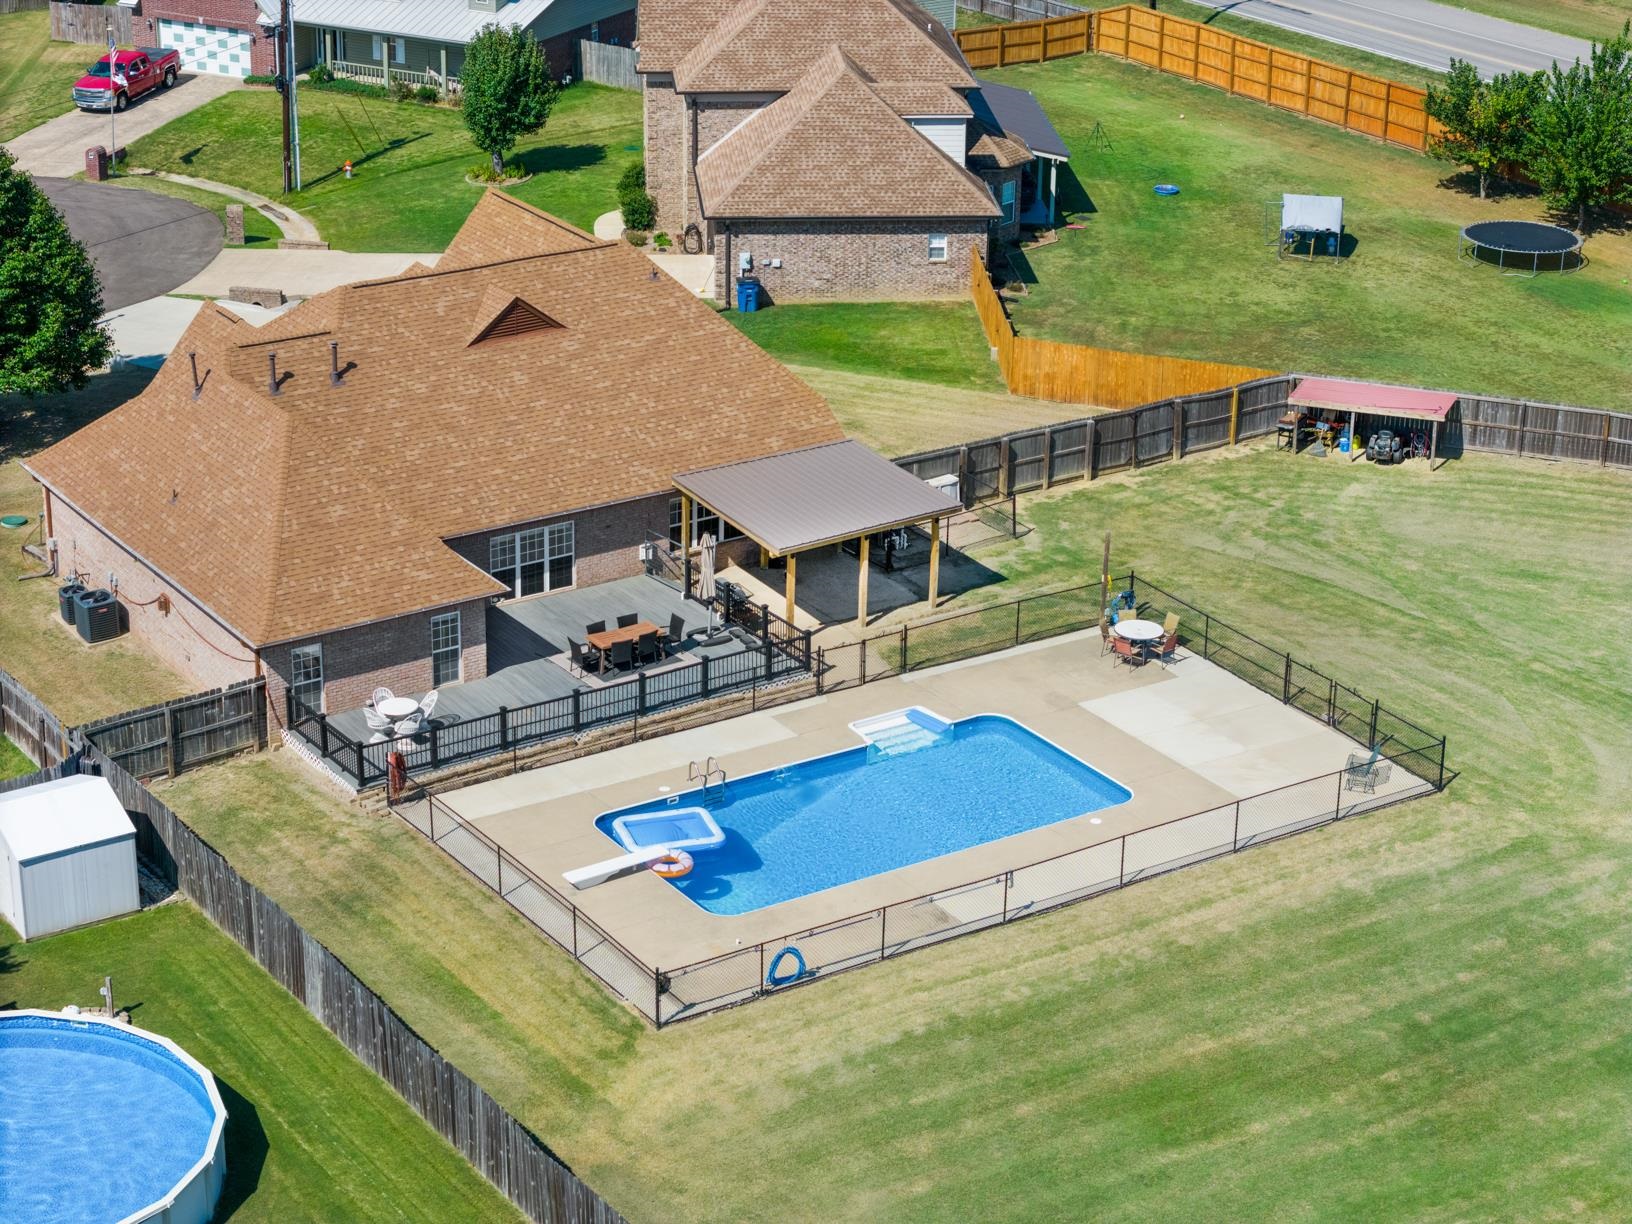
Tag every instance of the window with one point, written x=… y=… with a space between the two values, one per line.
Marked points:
x=533 y=561
x=701 y=521
x=444 y=649
x=937 y=248
x=399 y=48
x=1008 y=201
x=306 y=676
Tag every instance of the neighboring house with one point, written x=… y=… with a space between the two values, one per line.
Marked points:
x=224 y=37
x=340 y=494
x=423 y=41
x=839 y=151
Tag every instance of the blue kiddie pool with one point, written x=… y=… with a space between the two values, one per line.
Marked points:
x=1166 y=189
x=680 y=828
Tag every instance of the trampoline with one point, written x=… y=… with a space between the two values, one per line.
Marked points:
x=1509 y=245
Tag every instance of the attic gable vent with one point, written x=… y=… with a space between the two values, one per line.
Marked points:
x=514 y=318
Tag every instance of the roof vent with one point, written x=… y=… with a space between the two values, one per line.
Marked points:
x=515 y=318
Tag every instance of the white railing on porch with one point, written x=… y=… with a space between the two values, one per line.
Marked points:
x=382 y=74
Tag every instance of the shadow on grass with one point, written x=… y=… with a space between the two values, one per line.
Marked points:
x=28 y=425
x=363 y=158
x=246 y=1150
x=561 y=157
x=1073 y=196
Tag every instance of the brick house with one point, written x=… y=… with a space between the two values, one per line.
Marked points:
x=830 y=151
x=223 y=37
x=334 y=499
x=384 y=40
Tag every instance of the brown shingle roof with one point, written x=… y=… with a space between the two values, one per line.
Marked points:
x=998 y=150
x=921 y=98
x=320 y=507
x=768 y=44
x=831 y=147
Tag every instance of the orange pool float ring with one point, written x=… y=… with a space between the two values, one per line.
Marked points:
x=673 y=865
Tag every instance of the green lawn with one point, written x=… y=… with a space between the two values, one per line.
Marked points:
x=937 y=342
x=1595 y=19
x=36 y=74
x=13 y=764
x=1419 y=1014
x=1191 y=275
x=408 y=193
x=259 y=229
x=311 y=1133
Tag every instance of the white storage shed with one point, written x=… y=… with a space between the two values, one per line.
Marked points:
x=67 y=856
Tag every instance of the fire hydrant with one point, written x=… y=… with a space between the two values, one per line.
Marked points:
x=348 y=169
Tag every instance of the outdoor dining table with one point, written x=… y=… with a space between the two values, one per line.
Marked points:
x=604 y=640
x=1140 y=632
x=397 y=708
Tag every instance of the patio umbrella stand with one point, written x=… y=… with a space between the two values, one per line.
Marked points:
x=705 y=588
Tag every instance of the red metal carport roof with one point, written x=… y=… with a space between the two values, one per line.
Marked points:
x=1378 y=398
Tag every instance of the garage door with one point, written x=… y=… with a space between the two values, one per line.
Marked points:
x=207 y=48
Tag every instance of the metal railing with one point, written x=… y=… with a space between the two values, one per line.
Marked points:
x=666 y=995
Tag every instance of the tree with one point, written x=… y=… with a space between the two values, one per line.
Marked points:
x=50 y=298
x=1580 y=144
x=1486 y=122
x=507 y=90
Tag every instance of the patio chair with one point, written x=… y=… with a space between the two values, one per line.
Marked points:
x=625 y=619
x=677 y=631
x=1167 y=648
x=428 y=704
x=378 y=723
x=1127 y=652
x=623 y=655
x=1363 y=773
x=1170 y=626
x=380 y=694
x=583 y=657
x=411 y=726
x=647 y=650
x=595 y=627
x=1107 y=636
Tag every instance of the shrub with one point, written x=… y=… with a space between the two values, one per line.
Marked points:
x=639 y=210
x=319 y=75
x=346 y=85
x=483 y=172
x=259 y=78
x=401 y=91
x=635 y=237
x=426 y=93
x=662 y=241
x=632 y=179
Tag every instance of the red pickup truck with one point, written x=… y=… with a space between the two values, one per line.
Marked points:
x=115 y=79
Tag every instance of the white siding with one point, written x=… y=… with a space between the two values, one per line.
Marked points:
x=947 y=135
x=78 y=887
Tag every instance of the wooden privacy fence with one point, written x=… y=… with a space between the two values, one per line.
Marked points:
x=1021 y=10
x=181 y=734
x=606 y=64
x=23 y=6
x=1081 y=374
x=30 y=724
x=1025 y=42
x=504 y=1151
x=89 y=23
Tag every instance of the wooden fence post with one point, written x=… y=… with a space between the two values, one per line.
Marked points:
x=170 y=740
x=1178 y=429
x=1235 y=411
x=1090 y=442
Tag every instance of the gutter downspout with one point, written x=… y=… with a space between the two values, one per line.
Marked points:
x=725 y=228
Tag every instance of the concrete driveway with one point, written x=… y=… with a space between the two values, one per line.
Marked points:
x=143 y=244
x=1417 y=31
x=57 y=147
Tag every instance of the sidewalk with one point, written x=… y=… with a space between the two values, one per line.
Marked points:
x=297 y=273
x=695 y=272
x=293 y=225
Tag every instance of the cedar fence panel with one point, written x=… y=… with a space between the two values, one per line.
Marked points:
x=27 y=722
x=23 y=6
x=607 y=64
x=1025 y=42
x=504 y=1151
x=90 y=23
x=190 y=731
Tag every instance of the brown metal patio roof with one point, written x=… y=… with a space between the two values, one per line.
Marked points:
x=819 y=495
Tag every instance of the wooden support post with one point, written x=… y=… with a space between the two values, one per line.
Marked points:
x=1433 y=445
x=1354 y=439
x=793 y=570
x=1603 y=457
x=764 y=557
x=934 y=562
x=444 y=67
x=1178 y=429
x=685 y=541
x=1235 y=412
x=861 y=583
x=385 y=60
x=170 y=738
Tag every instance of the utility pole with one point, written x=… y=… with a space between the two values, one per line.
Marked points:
x=286 y=89
x=113 y=102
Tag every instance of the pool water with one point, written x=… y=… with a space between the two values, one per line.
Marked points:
x=839 y=818
x=95 y=1124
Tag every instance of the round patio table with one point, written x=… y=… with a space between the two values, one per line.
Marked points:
x=397 y=707
x=1138 y=630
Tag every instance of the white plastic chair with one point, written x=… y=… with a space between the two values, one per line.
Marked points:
x=429 y=704
x=412 y=725
x=377 y=723
x=380 y=694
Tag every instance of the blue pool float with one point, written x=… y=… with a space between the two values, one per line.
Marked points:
x=1166 y=189
x=773 y=978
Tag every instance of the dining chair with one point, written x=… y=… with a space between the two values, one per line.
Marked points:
x=1107 y=636
x=623 y=655
x=412 y=725
x=646 y=648
x=625 y=619
x=677 y=631
x=583 y=657
x=595 y=627
x=380 y=694
x=1127 y=652
x=1167 y=648
x=1170 y=626
x=428 y=704
x=378 y=723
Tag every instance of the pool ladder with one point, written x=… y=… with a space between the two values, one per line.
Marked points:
x=705 y=771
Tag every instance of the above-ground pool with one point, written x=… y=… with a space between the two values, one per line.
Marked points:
x=100 y=1122
x=839 y=818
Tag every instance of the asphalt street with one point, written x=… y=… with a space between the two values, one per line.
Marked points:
x=143 y=244
x=1416 y=31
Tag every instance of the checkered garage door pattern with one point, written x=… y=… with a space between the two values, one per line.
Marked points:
x=207 y=48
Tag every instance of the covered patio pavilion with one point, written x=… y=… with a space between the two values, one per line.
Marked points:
x=1373 y=400
x=813 y=498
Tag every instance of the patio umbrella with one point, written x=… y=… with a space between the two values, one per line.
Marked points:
x=705 y=576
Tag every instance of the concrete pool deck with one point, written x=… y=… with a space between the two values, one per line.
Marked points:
x=1185 y=740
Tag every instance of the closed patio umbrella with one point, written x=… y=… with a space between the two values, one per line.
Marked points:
x=705 y=578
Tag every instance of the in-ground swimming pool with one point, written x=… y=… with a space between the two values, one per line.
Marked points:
x=838 y=818
x=100 y=1122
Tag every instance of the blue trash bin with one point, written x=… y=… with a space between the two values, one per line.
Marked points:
x=747 y=295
